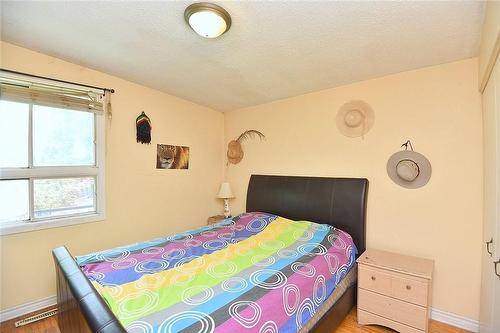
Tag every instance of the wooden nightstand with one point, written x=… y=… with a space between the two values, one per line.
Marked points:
x=394 y=291
x=215 y=219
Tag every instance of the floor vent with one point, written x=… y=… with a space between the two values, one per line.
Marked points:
x=37 y=317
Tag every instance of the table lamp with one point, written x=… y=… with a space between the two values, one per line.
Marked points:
x=226 y=194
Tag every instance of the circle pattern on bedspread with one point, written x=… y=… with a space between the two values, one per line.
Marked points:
x=319 y=290
x=269 y=327
x=181 y=279
x=115 y=290
x=226 y=236
x=341 y=272
x=141 y=301
x=209 y=233
x=114 y=255
x=206 y=322
x=140 y=327
x=182 y=237
x=320 y=227
x=96 y=276
x=174 y=254
x=215 y=244
x=252 y=315
x=237 y=227
x=268 y=278
x=150 y=281
x=306 y=306
x=192 y=242
x=288 y=254
x=154 y=250
x=312 y=249
x=223 y=269
x=271 y=244
x=303 y=236
x=235 y=240
x=304 y=269
x=291 y=298
x=332 y=261
x=337 y=242
x=194 y=262
x=197 y=295
x=234 y=284
x=124 y=264
x=256 y=225
x=262 y=260
x=151 y=266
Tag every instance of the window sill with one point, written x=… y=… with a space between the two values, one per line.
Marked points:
x=19 y=227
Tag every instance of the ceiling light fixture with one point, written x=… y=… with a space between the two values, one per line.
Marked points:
x=207 y=19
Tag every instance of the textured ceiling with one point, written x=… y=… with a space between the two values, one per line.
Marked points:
x=273 y=49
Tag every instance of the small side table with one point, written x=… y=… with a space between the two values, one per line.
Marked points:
x=215 y=219
x=394 y=290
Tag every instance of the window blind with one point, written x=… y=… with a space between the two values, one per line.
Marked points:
x=23 y=88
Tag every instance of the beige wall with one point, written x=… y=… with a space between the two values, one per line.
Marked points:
x=489 y=40
x=439 y=109
x=142 y=202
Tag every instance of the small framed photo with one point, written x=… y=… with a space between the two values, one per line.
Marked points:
x=172 y=157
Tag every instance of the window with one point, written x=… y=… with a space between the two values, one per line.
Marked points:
x=51 y=160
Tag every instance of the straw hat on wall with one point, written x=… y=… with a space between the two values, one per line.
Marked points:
x=234 y=152
x=355 y=118
x=409 y=169
x=234 y=148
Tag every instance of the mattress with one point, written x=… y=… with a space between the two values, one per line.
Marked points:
x=255 y=272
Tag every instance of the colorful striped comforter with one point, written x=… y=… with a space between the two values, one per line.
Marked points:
x=255 y=272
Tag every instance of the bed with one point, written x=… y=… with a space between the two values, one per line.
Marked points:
x=276 y=201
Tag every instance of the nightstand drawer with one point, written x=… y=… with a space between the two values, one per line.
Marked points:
x=374 y=280
x=367 y=318
x=409 y=290
x=393 y=284
x=390 y=308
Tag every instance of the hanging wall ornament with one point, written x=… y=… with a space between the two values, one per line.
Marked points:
x=408 y=168
x=355 y=118
x=234 y=148
x=143 y=125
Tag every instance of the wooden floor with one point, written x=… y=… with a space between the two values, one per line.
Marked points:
x=48 y=325
x=349 y=325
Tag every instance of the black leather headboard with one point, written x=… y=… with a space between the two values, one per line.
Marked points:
x=340 y=202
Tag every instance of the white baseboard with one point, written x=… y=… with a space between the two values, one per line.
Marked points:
x=455 y=320
x=438 y=315
x=25 y=308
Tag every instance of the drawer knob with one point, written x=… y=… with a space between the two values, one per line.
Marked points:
x=408 y=287
x=373 y=278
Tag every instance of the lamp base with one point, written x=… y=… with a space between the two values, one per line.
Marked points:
x=227 y=211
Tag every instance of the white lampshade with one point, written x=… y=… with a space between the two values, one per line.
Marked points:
x=225 y=191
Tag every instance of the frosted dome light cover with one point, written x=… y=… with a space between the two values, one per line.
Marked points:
x=207 y=24
x=207 y=20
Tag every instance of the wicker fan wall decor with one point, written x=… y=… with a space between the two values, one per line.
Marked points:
x=234 y=148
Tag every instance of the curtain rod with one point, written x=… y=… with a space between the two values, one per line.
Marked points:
x=57 y=80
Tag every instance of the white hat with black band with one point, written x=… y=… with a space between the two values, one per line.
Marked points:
x=408 y=168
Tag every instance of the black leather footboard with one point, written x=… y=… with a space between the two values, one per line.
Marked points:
x=80 y=307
